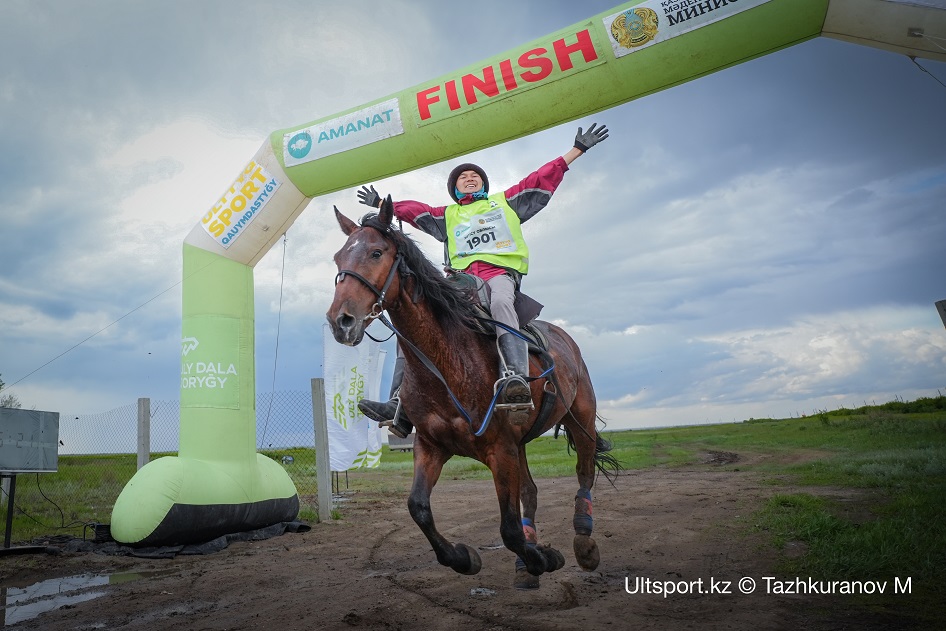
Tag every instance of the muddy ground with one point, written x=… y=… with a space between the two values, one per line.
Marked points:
x=374 y=570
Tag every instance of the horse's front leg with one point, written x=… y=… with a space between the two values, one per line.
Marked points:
x=428 y=463
x=528 y=498
x=505 y=467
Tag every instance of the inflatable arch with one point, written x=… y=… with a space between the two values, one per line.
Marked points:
x=218 y=484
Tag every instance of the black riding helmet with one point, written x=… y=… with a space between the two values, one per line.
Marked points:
x=455 y=175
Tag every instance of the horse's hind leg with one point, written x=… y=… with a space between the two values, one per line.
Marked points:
x=428 y=464
x=582 y=431
x=528 y=497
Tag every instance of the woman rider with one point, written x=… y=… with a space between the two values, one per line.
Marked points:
x=483 y=237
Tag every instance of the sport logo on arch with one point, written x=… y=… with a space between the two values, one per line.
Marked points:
x=189 y=344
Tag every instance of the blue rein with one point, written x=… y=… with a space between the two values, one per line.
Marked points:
x=377 y=312
x=456 y=402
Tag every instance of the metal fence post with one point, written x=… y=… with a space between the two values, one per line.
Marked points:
x=323 y=471
x=144 y=431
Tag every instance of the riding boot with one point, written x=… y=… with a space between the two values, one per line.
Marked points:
x=390 y=412
x=514 y=366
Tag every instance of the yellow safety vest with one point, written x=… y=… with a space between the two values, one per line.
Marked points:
x=486 y=230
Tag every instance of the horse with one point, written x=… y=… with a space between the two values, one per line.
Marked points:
x=381 y=269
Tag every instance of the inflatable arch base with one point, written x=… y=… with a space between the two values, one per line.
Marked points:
x=194 y=501
x=217 y=484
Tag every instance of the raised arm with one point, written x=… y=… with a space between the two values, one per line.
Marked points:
x=420 y=215
x=585 y=141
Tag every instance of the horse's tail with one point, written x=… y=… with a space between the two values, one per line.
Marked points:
x=606 y=463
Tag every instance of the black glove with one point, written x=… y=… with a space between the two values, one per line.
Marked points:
x=369 y=197
x=587 y=140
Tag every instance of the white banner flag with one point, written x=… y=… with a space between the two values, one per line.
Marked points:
x=351 y=373
x=655 y=21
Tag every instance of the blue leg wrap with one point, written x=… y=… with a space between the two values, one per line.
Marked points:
x=582 y=521
x=528 y=529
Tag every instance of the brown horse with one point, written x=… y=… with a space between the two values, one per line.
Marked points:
x=382 y=269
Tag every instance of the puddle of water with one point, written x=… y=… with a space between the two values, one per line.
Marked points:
x=25 y=603
x=19 y=613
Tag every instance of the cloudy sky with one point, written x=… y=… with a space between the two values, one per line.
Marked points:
x=766 y=241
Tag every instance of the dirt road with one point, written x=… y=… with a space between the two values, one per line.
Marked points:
x=373 y=569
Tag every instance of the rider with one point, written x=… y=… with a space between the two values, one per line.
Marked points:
x=483 y=237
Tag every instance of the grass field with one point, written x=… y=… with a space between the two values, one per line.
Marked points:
x=895 y=452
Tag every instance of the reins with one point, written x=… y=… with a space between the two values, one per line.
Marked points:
x=429 y=365
x=377 y=313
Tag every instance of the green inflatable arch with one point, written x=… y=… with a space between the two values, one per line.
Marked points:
x=218 y=484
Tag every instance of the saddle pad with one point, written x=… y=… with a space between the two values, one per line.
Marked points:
x=539 y=341
x=478 y=292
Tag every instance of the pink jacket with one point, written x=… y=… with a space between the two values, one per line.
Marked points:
x=526 y=198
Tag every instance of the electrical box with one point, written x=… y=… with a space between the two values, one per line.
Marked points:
x=29 y=441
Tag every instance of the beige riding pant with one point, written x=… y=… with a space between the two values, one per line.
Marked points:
x=502 y=302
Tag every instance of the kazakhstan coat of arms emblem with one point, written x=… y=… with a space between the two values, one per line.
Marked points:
x=635 y=27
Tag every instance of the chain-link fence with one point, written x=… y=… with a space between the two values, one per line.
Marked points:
x=97 y=457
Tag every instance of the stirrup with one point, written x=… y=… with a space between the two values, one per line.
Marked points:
x=398 y=430
x=400 y=425
x=506 y=377
x=383 y=421
x=392 y=423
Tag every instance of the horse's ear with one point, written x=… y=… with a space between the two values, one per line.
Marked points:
x=387 y=212
x=348 y=226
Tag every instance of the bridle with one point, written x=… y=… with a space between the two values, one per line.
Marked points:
x=377 y=312
x=378 y=307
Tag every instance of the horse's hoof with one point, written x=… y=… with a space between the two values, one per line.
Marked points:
x=524 y=580
x=554 y=560
x=473 y=558
x=586 y=552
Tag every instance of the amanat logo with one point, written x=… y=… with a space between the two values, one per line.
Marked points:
x=568 y=54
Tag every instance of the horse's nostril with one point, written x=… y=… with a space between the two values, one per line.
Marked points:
x=345 y=321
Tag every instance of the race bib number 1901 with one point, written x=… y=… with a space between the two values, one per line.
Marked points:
x=484 y=234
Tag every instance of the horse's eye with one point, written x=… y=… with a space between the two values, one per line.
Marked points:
x=376 y=254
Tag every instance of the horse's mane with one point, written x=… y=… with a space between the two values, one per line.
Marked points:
x=450 y=305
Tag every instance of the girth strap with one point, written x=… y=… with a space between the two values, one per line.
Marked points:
x=545 y=409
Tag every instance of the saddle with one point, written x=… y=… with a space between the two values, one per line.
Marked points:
x=527 y=308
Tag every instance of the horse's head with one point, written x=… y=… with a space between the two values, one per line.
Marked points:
x=367 y=277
